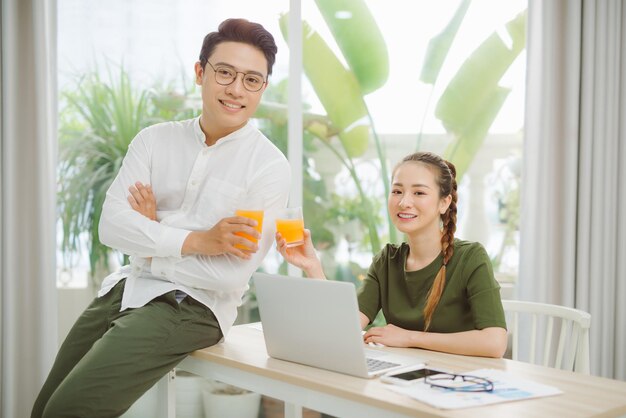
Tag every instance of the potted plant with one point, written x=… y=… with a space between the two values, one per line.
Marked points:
x=226 y=401
x=98 y=119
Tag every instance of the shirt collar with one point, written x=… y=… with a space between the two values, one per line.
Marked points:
x=239 y=133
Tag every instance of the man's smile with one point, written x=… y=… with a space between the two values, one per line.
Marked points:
x=231 y=105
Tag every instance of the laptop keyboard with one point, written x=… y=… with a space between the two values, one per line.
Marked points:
x=374 y=365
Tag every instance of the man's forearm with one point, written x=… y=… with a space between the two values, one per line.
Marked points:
x=191 y=244
x=132 y=233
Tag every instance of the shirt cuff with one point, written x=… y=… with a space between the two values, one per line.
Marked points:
x=170 y=243
x=163 y=267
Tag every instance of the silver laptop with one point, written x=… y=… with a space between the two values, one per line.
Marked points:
x=316 y=322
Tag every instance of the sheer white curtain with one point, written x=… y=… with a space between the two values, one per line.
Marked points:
x=573 y=238
x=28 y=151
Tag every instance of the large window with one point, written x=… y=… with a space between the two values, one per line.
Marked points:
x=380 y=80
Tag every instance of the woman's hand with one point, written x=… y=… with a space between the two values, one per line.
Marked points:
x=389 y=335
x=302 y=256
x=142 y=200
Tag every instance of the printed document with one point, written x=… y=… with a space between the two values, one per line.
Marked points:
x=506 y=388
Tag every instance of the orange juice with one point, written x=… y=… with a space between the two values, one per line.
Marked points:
x=292 y=231
x=257 y=215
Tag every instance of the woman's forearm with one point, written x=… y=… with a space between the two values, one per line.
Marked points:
x=488 y=342
x=314 y=271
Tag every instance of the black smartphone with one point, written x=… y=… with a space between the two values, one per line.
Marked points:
x=407 y=377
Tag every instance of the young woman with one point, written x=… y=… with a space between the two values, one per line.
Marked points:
x=436 y=292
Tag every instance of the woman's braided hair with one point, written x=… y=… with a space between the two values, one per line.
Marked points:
x=445 y=177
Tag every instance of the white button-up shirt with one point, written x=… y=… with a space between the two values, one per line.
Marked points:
x=195 y=187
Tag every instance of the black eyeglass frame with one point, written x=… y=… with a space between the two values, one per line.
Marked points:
x=235 y=78
x=480 y=384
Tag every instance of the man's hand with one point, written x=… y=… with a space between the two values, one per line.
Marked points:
x=142 y=200
x=221 y=239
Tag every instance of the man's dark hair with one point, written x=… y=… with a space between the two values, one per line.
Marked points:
x=240 y=30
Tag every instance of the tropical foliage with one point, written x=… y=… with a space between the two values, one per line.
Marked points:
x=467 y=107
x=98 y=120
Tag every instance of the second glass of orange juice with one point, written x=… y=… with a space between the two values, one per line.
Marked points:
x=253 y=209
x=290 y=224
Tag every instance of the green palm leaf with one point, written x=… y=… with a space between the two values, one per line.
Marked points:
x=439 y=45
x=337 y=88
x=359 y=39
x=473 y=98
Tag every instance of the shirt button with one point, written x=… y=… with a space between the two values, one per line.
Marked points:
x=163 y=274
x=205 y=152
x=193 y=182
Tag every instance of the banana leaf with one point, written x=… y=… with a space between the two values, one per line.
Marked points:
x=439 y=45
x=359 y=39
x=365 y=51
x=336 y=87
x=472 y=99
x=461 y=152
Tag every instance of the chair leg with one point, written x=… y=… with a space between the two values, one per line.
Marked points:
x=582 y=353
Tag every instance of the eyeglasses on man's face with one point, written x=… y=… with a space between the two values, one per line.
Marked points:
x=459 y=383
x=225 y=76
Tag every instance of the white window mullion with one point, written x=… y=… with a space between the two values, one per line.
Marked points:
x=294 y=108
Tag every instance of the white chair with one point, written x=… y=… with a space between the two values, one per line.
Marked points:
x=572 y=352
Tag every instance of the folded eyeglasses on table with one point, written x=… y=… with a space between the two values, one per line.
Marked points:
x=459 y=382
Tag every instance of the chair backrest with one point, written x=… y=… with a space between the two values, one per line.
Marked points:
x=572 y=351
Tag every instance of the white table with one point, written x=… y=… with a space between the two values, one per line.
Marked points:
x=242 y=361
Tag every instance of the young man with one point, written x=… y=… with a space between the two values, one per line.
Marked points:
x=187 y=275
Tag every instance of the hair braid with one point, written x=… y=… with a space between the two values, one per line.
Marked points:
x=447 y=239
x=449 y=220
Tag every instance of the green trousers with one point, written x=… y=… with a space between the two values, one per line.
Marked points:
x=110 y=358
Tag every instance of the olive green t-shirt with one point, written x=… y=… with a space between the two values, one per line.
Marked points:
x=470 y=299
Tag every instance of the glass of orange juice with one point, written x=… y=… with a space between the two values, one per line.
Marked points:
x=251 y=208
x=290 y=224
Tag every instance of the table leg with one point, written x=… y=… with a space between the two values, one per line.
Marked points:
x=166 y=389
x=292 y=410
